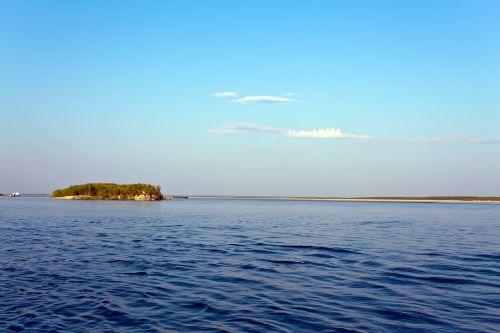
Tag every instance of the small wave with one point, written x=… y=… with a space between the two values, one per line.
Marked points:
x=320 y=255
x=494 y=256
x=9 y=269
x=410 y=270
x=120 y=261
x=332 y=249
x=287 y=262
x=446 y=280
x=444 y=267
x=114 y=315
x=197 y=306
x=371 y=263
x=141 y=273
x=251 y=324
x=430 y=254
x=432 y=278
x=411 y=317
x=379 y=222
x=29 y=315
x=15 y=328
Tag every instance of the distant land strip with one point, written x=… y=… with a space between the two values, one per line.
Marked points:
x=449 y=199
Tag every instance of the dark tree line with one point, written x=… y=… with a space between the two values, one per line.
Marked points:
x=110 y=191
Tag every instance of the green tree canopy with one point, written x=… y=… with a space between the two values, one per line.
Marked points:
x=110 y=191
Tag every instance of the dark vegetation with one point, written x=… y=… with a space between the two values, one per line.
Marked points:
x=110 y=191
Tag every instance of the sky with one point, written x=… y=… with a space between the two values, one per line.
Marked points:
x=264 y=97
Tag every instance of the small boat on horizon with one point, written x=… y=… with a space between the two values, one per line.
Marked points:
x=15 y=194
x=180 y=197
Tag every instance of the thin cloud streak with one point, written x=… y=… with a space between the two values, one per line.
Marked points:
x=336 y=133
x=264 y=100
x=325 y=133
x=322 y=133
x=233 y=128
x=462 y=139
x=256 y=99
x=226 y=94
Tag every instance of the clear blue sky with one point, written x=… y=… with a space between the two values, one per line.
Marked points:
x=328 y=97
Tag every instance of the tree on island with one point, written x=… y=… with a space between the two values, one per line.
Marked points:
x=110 y=191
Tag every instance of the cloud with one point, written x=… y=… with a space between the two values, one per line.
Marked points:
x=264 y=99
x=323 y=133
x=256 y=99
x=335 y=133
x=233 y=128
x=462 y=139
x=226 y=94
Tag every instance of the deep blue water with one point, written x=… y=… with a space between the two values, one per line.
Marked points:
x=248 y=266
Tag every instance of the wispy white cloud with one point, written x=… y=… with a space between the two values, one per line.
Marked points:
x=256 y=99
x=264 y=99
x=323 y=133
x=226 y=94
x=336 y=133
x=462 y=139
x=233 y=128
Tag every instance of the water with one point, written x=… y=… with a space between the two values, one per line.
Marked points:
x=248 y=266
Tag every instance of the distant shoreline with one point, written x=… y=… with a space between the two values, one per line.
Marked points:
x=359 y=199
x=441 y=199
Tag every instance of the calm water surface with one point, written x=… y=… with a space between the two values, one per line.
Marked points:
x=248 y=266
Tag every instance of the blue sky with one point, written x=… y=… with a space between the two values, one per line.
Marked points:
x=326 y=97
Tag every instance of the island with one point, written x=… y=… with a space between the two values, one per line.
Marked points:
x=110 y=191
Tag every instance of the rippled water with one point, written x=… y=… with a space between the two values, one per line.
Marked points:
x=248 y=266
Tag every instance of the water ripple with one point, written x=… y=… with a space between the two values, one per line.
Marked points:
x=248 y=266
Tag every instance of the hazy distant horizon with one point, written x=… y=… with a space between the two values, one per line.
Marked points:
x=243 y=195
x=268 y=98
